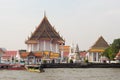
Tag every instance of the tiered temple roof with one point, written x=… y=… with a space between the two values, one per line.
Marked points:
x=99 y=46
x=45 y=31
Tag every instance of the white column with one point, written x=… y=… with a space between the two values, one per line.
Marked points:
x=97 y=56
x=44 y=45
x=92 y=57
x=40 y=46
x=87 y=56
x=50 y=45
x=56 y=48
x=62 y=53
x=31 y=47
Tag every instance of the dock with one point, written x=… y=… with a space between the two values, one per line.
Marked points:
x=11 y=66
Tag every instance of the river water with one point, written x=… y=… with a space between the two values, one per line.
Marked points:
x=63 y=74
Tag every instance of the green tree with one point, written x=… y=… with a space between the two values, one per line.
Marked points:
x=109 y=53
x=71 y=61
x=116 y=46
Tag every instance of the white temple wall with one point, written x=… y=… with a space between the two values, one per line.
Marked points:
x=38 y=47
x=34 y=47
x=57 y=48
x=90 y=57
x=47 y=46
x=29 y=47
x=53 y=47
x=43 y=45
x=97 y=56
x=94 y=57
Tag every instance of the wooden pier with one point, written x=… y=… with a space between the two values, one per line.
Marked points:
x=4 y=66
x=12 y=66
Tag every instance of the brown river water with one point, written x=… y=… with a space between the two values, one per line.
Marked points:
x=63 y=74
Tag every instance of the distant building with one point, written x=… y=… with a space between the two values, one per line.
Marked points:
x=94 y=53
x=66 y=51
x=2 y=52
x=44 y=43
x=83 y=56
x=9 y=57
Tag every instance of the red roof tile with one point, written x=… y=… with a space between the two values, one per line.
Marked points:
x=65 y=54
x=38 y=54
x=9 y=54
x=83 y=54
x=24 y=54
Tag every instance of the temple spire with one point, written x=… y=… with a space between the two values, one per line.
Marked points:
x=44 y=13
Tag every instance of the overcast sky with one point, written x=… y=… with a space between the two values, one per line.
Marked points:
x=80 y=22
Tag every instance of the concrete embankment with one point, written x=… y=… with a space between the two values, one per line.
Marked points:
x=82 y=65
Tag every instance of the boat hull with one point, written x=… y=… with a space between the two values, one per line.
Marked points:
x=33 y=68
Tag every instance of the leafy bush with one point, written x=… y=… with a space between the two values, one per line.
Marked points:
x=71 y=61
x=86 y=61
x=16 y=60
x=44 y=61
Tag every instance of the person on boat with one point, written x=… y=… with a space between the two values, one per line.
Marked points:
x=41 y=68
x=53 y=61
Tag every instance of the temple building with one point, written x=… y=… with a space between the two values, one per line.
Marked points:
x=43 y=44
x=95 y=52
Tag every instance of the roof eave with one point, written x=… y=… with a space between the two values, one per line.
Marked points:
x=31 y=42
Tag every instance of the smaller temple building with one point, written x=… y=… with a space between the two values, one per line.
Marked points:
x=11 y=56
x=95 y=52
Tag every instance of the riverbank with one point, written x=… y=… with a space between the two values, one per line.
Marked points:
x=82 y=65
x=64 y=65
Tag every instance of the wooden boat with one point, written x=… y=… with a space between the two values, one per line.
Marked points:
x=16 y=67
x=33 y=68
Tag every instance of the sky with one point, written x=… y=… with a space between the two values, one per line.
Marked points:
x=80 y=22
